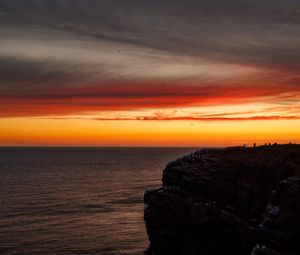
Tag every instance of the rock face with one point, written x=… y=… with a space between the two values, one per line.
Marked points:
x=227 y=201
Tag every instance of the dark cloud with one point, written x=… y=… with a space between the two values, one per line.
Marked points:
x=67 y=56
x=265 y=33
x=17 y=71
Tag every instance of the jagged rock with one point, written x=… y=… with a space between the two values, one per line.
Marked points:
x=279 y=232
x=227 y=201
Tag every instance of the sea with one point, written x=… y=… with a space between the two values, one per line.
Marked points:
x=77 y=200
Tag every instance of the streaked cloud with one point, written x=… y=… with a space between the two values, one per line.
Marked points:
x=62 y=57
x=35 y=101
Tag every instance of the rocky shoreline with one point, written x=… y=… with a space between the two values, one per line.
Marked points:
x=227 y=201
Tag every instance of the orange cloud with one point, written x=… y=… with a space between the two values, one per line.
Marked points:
x=187 y=118
x=68 y=100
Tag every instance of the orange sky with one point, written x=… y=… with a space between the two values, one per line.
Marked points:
x=40 y=132
x=185 y=73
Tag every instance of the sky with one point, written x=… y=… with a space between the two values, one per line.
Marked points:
x=149 y=73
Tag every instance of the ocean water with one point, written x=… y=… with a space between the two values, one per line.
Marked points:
x=77 y=200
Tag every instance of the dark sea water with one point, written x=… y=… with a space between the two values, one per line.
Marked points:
x=77 y=200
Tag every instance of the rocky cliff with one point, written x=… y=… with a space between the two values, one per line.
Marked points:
x=227 y=201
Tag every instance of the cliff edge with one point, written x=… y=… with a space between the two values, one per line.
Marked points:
x=227 y=201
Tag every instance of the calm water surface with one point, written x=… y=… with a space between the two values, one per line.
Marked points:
x=77 y=200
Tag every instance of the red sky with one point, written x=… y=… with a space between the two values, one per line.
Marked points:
x=210 y=74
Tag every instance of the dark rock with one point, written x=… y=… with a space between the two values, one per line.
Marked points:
x=227 y=201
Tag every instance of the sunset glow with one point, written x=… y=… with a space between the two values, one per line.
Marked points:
x=105 y=79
